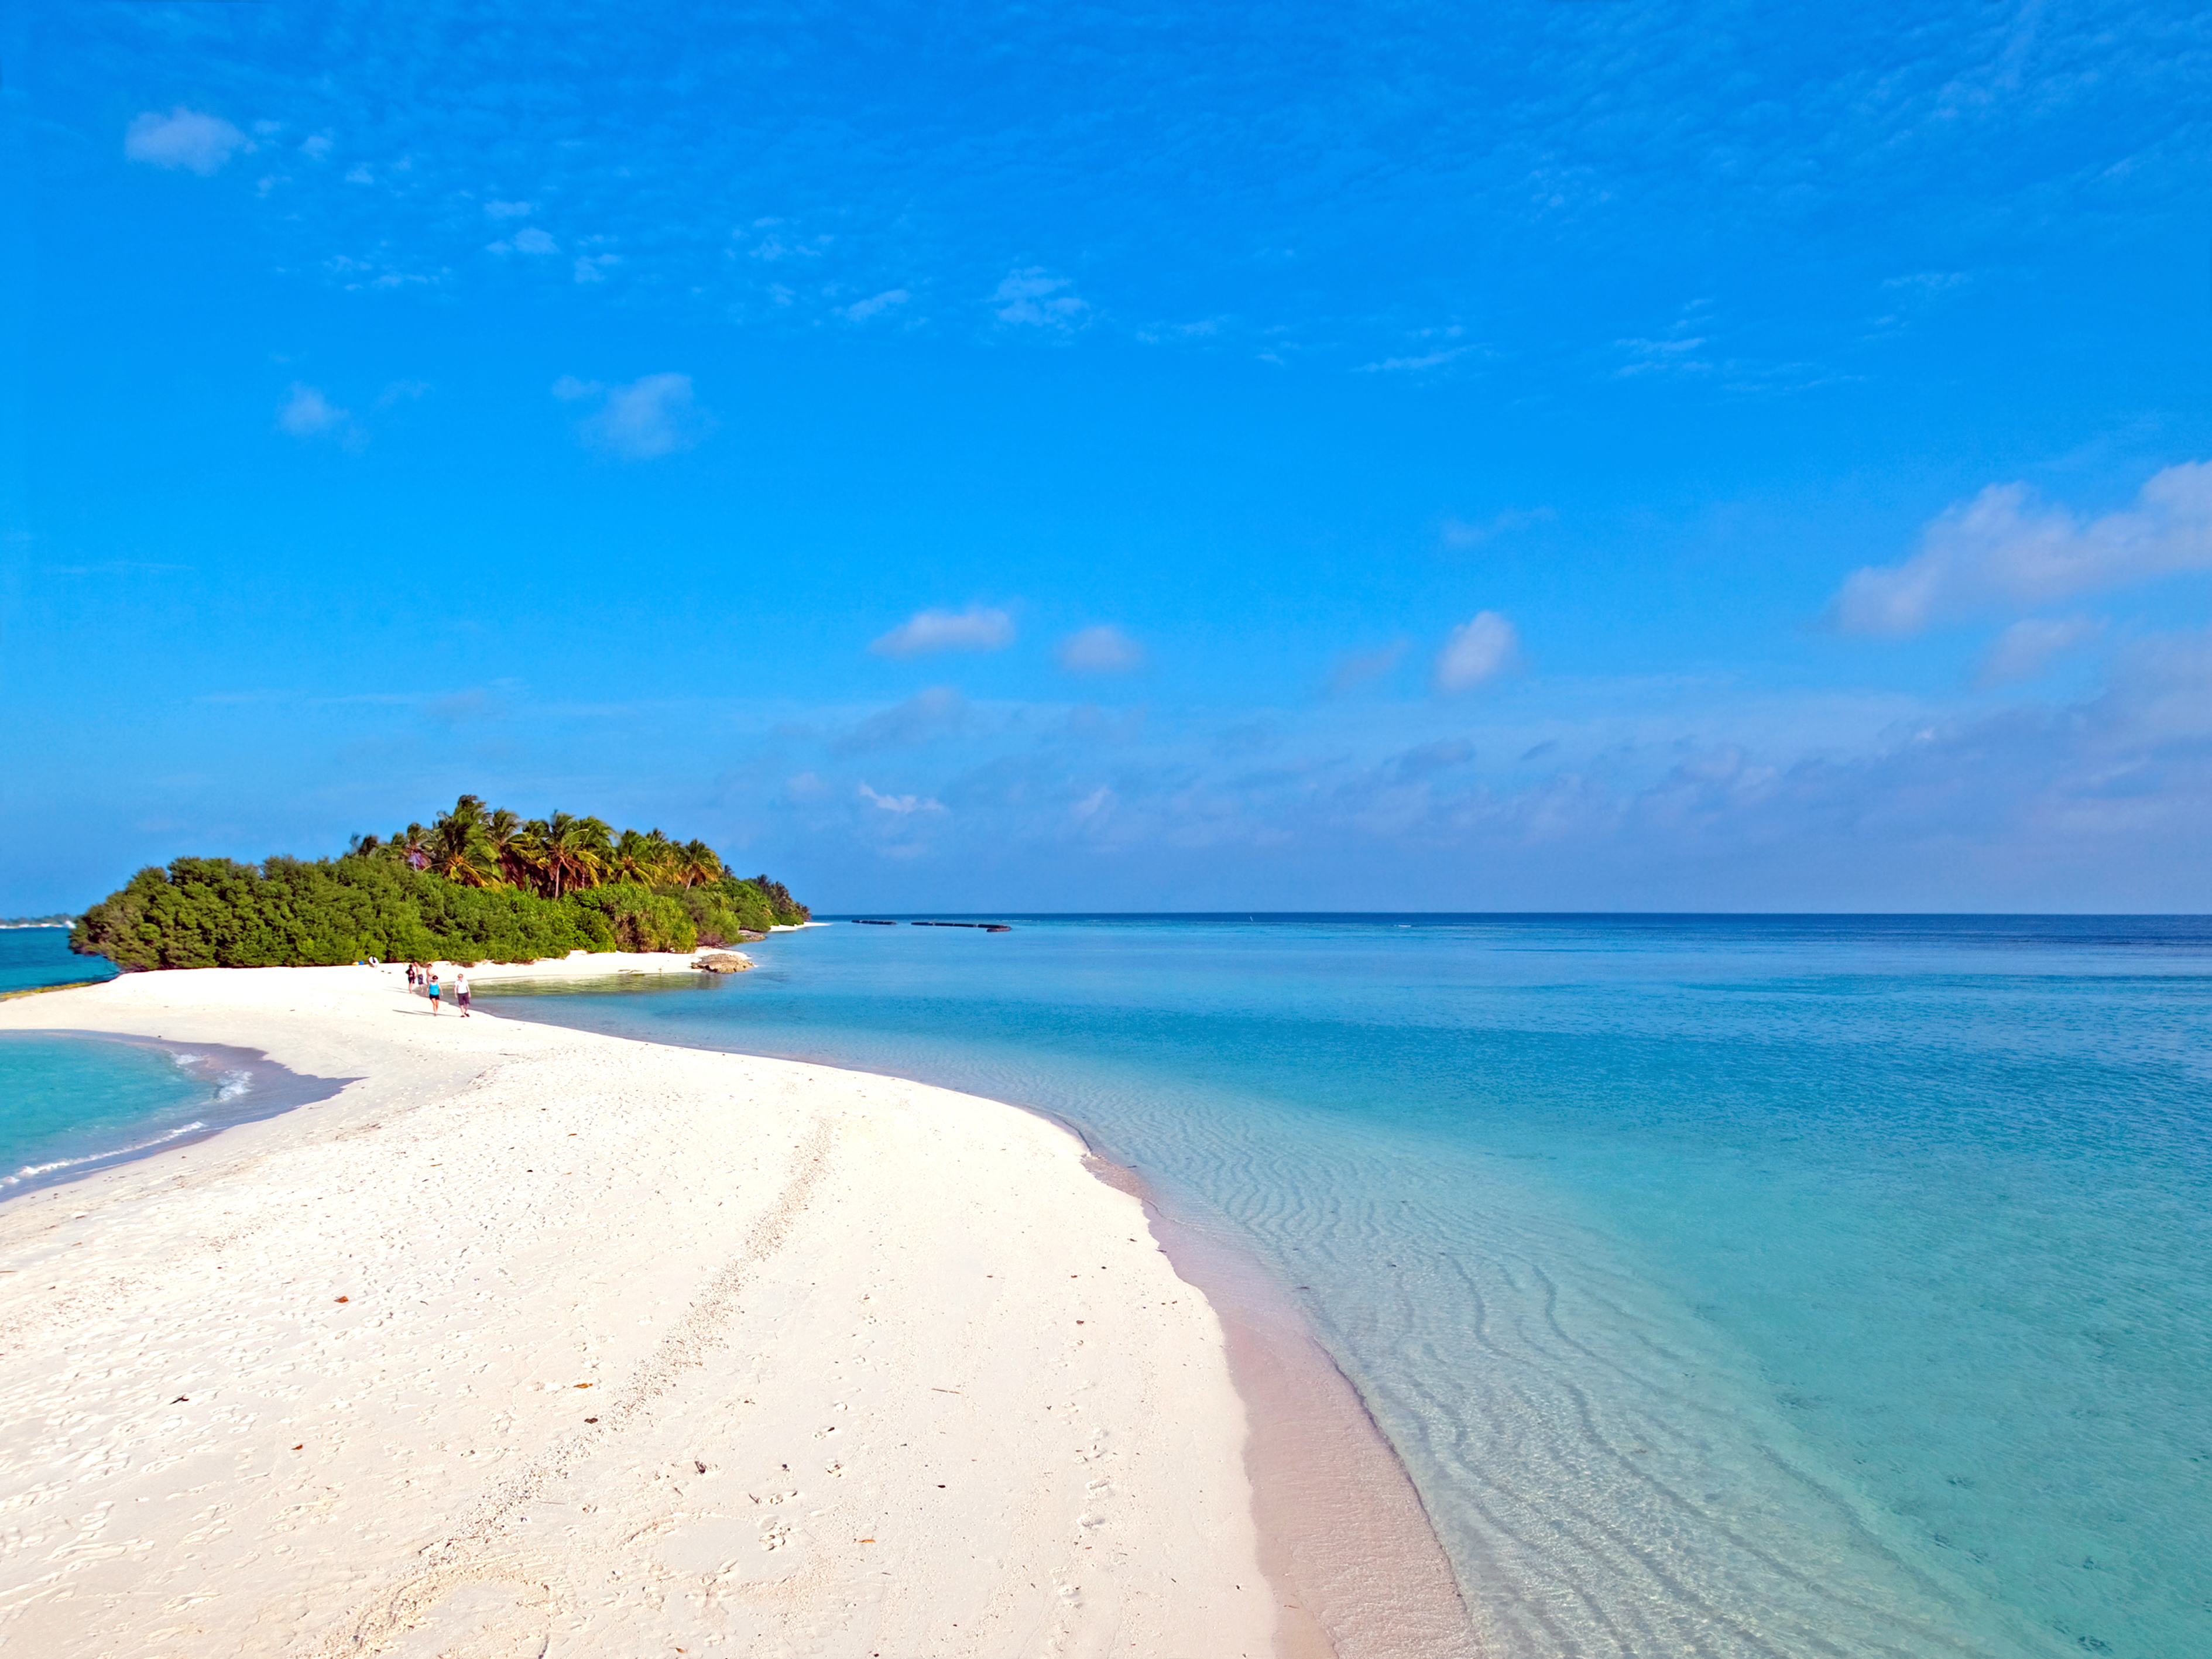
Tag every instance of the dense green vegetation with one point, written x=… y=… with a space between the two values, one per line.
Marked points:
x=475 y=885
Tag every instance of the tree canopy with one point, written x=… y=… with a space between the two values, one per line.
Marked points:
x=475 y=885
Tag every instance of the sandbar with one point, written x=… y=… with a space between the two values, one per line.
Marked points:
x=532 y=1341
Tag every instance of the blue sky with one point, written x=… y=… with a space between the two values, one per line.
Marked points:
x=1554 y=456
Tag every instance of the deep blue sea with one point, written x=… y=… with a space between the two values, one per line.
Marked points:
x=1729 y=1285
x=41 y=956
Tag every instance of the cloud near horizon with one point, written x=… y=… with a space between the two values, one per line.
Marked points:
x=979 y=627
x=1480 y=649
x=186 y=139
x=2005 y=551
x=1104 y=649
x=2030 y=646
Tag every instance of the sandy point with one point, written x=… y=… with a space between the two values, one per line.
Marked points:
x=538 y=1342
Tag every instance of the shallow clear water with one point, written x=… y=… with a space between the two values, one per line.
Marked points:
x=1730 y=1286
x=71 y=1104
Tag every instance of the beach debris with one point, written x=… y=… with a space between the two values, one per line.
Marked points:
x=723 y=961
x=181 y=1399
x=591 y=1419
x=346 y=1298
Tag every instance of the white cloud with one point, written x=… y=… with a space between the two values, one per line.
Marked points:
x=861 y=310
x=316 y=146
x=359 y=175
x=183 y=138
x=2023 y=651
x=976 y=629
x=1035 y=299
x=1478 y=650
x=2005 y=550
x=653 y=415
x=1104 y=649
x=594 y=267
x=510 y=209
x=901 y=805
x=530 y=239
x=307 y=413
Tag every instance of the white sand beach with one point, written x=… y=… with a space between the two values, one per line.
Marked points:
x=536 y=1342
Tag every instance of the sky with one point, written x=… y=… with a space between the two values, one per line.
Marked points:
x=1573 y=454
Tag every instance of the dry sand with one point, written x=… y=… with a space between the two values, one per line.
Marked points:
x=772 y=1359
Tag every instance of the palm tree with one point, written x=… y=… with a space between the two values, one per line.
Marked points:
x=458 y=848
x=413 y=846
x=506 y=837
x=699 y=863
x=641 y=857
x=573 y=852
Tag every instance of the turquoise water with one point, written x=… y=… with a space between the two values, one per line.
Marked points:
x=72 y=1104
x=1730 y=1286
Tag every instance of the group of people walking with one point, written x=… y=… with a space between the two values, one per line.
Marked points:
x=423 y=976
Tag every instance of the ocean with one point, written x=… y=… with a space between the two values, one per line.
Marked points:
x=1729 y=1285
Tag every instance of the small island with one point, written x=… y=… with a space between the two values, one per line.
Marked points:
x=476 y=885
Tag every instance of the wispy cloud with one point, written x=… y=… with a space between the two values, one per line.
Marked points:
x=654 y=415
x=979 y=627
x=1104 y=649
x=1355 y=668
x=1033 y=298
x=2030 y=646
x=939 y=711
x=1461 y=534
x=1478 y=649
x=2005 y=550
x=186 y=139
x=890 y=299
x=306 y=413
x=900 y=805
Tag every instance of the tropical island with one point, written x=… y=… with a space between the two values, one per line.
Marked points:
x=476 y=885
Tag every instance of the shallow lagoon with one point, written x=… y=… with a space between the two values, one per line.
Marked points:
x=1737 y=1285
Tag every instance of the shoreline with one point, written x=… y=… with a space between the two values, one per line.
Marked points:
x=1363 y=1577
x=1238 y=1460
x=1357 y=1576
x=269 y=1090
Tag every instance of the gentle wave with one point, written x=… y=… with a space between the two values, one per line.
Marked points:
x=32 y=1171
